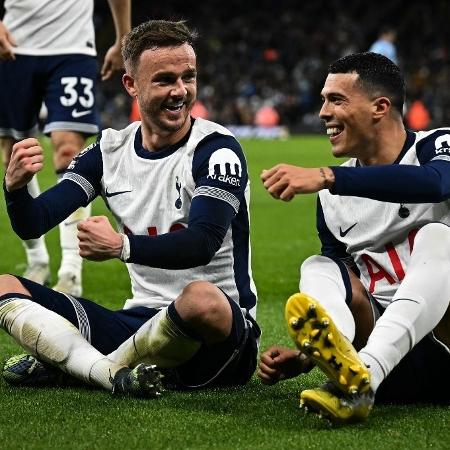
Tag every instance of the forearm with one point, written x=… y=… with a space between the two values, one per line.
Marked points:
x=393 y=183
x=32 y=217
x=121 y=14
x=183 y=249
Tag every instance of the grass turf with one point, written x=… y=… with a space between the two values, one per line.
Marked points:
x=254 y=417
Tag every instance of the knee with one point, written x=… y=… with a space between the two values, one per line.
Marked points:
x=9 y=284
x=435 y=238
x=66 y=146
x=203 y=301
x=314 y=262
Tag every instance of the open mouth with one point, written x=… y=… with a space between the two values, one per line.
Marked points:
x=334 y=132
x=174 y=107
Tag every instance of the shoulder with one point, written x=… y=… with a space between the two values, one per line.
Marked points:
x=217 y=154
x=203 y=128
x=113 y=140
x=433 y=144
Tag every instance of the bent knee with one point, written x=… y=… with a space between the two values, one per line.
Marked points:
x=433 y=237
x=204 y=301
x=9 y=284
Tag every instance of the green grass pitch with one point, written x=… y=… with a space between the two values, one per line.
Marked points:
x=253 y=417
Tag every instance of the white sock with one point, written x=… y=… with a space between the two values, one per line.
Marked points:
x=52 y=338
x=417 y=306
x=71 y=261
x=35 y=249
x=159 y=341
x=321 y=278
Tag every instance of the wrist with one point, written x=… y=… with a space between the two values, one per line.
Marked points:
x=327 y=176
x=125 y=250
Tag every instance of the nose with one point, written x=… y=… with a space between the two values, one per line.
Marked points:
x=325 y=112
x=179 y=89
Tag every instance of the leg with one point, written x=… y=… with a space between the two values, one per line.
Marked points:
x=66 y=145
x=323 y=330
x=203 y=334
x=49 y=336
x=418 y=306
x=342 y=294
x=68 y=131
x=35 y=249
x=200 y=314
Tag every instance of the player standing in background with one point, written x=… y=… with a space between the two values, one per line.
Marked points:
x=47 y=53
x=179 y=190
x=382 y=280
x=385 y=44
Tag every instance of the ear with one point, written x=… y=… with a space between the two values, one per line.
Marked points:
x=381 y=107
x=128 y=82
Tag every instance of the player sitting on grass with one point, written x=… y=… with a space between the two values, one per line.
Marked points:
x=179 y=191
x=382 y=280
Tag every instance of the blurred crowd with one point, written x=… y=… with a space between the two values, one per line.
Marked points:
x=264 y=62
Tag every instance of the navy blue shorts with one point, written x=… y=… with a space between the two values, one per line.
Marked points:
x=65 y=83
x=229 y=363
x=422 y=376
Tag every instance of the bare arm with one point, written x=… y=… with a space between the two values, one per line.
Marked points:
x=280 y=363
x=7 y=43
x=284 y=181
x=27 y=158
x=121 y=13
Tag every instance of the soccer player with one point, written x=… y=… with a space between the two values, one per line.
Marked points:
x=381 y=280
x=179 y=191
x=47 y=54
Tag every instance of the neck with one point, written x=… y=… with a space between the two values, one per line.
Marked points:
x=154 y=139
x=386 y=144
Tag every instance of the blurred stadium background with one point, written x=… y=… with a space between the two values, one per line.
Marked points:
x=275 y=54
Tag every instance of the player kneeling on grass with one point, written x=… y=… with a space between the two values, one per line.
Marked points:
x=178 y=188
x=373 y=312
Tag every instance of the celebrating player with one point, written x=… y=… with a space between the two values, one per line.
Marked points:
x=179 y=190
x=47 y=52
x=381 y=280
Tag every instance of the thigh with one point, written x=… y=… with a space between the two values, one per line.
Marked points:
x=229 y=363
x=103 y=328
x=70 y=96
x=21 y=95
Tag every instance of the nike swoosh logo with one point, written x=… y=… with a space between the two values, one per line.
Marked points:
x=112 y=194
x=345 y=232
x=73 y=222
x=76 y=113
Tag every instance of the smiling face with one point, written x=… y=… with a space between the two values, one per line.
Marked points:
x=165 y=85
x=348 y=113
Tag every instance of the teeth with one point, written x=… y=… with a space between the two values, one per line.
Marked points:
x=333 y=130
x=172 y=107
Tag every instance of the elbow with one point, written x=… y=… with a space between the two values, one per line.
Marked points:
x=205 y=256
x=26 y=234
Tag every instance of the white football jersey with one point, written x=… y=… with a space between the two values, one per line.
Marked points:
x=51 y=27
x=150 y=193
x=375 y=235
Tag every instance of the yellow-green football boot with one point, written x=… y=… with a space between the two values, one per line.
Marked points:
x=340 y=408
x=316 y=335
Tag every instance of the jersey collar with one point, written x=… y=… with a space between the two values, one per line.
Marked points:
x=164 y=152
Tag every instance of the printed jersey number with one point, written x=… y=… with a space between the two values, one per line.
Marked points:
x=71 y=96
x=377 y=272
x=152 y=231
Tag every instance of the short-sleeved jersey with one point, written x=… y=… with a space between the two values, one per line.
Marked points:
x=150 y=193
x=51 y=27
x=376 y=235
